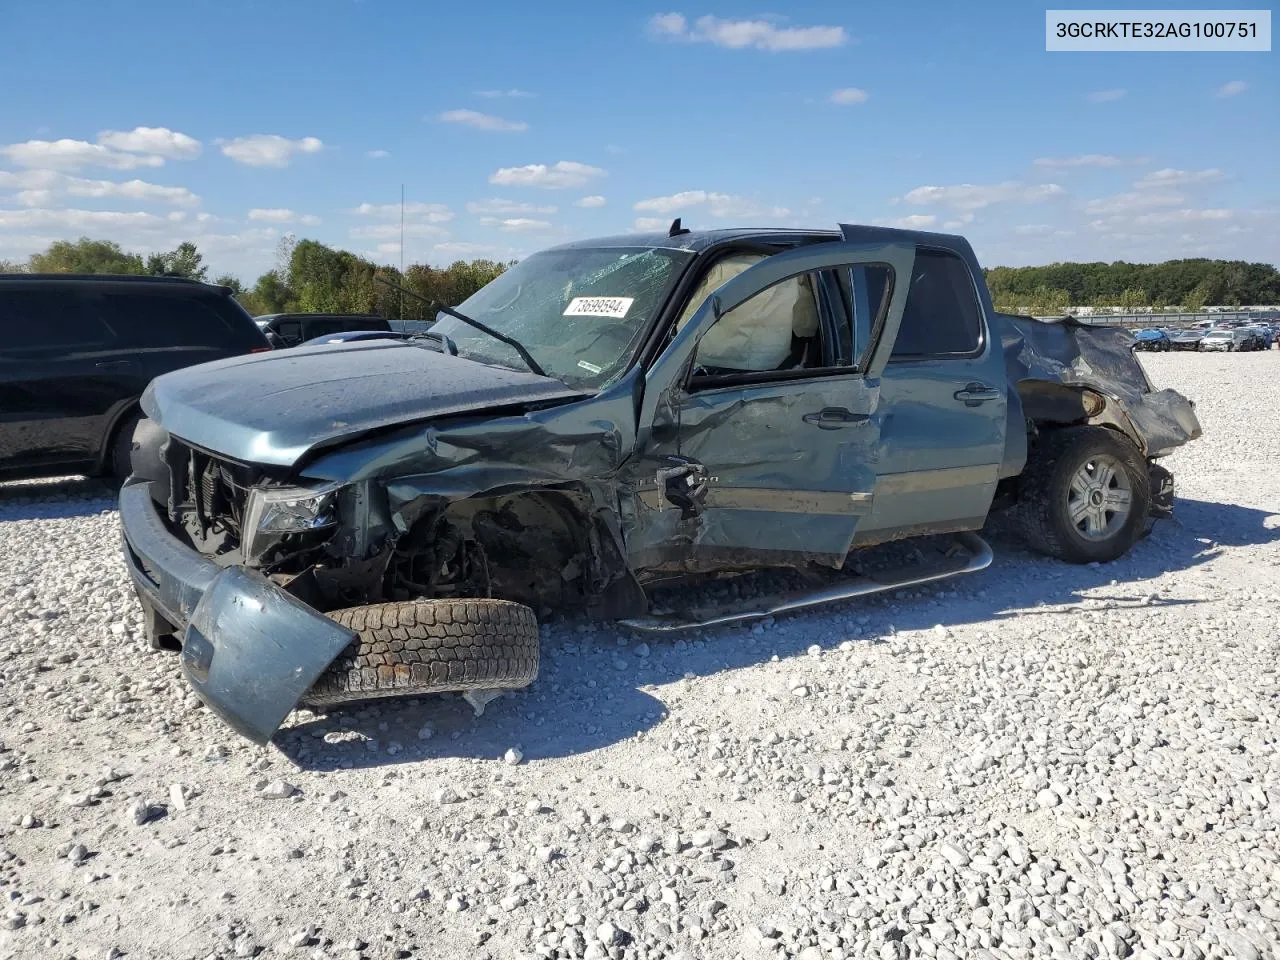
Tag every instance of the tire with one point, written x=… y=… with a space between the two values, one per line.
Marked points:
x=120 y=461
x=1048 y=498
x=430 y=646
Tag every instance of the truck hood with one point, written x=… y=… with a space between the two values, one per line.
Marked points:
x=272 y=408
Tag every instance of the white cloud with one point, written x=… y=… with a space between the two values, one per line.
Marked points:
x=595 y=200
x=717 y=205
x=915 y=221
x=1136 y=200
x=649 y=224
x=743 y=34
x=282 y=215
x=1232 y=88
x=1107 y=96
x=969 y=196
x=515 y=94
x=377 y=154
x=847 y=96
x=157 y=141
x=39 y=187
x=74 y=154
x=268 y=149
x=73 y=220
x=1184 y=216
x=427 y=212
x=558 y=176
x=462 y=248
x=1079 y=160
x=497 y=206
x=391 y=231
x=132 y=189
x=482 y=121
x=523 y=225
x=1168 y=177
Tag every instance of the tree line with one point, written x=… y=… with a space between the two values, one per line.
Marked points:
x=1186 y=284
x=308 y=277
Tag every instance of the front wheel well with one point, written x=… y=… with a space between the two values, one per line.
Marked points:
x=548 y=549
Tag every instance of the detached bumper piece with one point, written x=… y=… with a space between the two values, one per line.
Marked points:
x=1161 y=481
x=249 y=649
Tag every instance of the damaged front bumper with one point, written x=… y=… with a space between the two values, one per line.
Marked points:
x=249 y=649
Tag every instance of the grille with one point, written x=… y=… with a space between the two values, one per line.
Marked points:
x=207 y=496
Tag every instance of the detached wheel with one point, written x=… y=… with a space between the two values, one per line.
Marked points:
x=430 y=646
x=1085 y=495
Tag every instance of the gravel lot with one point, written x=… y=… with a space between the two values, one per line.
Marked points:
x=1040 y=760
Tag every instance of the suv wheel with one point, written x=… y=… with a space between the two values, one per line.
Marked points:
x=1085 y=495
x=120 y=464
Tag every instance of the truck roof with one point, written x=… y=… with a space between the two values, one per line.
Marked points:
x=699 y=240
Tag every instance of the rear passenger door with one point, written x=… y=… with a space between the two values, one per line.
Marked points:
x=63 y=378
x=943 y=397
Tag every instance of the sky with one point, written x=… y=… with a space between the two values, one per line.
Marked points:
x=515 y=126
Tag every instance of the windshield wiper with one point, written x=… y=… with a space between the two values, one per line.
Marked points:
x=514 y=344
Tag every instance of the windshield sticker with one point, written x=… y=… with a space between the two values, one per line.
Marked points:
x=615 y=307
x=589 y=367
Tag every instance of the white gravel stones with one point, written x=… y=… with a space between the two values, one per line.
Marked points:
x=275 y=790
x=686 y=803
x=513 y=756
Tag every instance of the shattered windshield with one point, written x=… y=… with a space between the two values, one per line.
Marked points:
x=579 y=312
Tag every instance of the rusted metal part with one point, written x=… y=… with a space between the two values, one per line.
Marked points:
x=980 y=557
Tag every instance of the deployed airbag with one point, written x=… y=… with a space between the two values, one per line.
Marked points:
x=757 y=334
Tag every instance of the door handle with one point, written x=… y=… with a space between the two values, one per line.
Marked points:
x=110 y=364
x=977 y=393
x=832 y=418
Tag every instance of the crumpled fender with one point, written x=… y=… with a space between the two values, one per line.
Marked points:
x=251 y=651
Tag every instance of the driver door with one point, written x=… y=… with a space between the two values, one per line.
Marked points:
x=743 y=463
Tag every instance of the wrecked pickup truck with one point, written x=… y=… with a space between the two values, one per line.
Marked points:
x=605 y=418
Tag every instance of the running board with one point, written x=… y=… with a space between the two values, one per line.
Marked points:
x=979 y=559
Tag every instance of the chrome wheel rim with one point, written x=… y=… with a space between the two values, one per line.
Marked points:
x=1099 y=498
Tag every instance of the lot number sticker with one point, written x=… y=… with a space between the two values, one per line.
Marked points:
x=615 y=307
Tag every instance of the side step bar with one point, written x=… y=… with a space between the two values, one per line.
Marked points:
x=980 y=557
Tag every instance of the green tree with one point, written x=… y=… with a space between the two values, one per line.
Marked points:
x=183 y=261
x=1131 y=299
x=1195 y=299
x=12 y=266
x=230 y=281
x=86 y=256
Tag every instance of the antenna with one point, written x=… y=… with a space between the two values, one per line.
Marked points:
x=401 y=305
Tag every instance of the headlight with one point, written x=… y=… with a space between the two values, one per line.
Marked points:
x=272 y=512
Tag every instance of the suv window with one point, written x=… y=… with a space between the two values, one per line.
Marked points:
x=941 y=317
x=35 y=319
x=151 y=320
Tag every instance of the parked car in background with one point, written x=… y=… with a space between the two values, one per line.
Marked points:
x=76 y=352
x=1264 y=336
x=1188 y=339
x=1151 y=338
x=1224 y=339
x=355 y=336
x=291 y=329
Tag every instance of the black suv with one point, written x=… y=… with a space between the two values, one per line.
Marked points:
x=291 y=329
x=77 y=351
